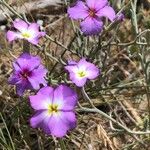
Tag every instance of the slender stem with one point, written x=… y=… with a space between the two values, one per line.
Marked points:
x=86 y=96
x=109 y=27
x=134 y=16
x=132 y=42
x=10 y=8
x=26 y=46
x=57 y=42
x=143 y=61
x=95 y=110
x=62 y=144
x=12 y=144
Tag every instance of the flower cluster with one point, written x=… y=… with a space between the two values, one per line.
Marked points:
x=91 y=13
x=54 y=107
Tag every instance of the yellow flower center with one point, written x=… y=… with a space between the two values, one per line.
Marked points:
x=81 y=74
x=26 y=35
x=52 y=109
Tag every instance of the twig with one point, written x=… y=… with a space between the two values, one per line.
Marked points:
x=86 y=96
x=95 y=110
x=54 y=6
x=132 y=42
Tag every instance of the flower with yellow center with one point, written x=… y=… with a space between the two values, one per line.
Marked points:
x=28 y=31
x=54 y=110
x=81 y=71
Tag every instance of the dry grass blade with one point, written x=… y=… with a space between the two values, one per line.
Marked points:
x=50 y=6
x=102 y=134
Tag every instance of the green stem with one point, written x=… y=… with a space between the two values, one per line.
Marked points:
x=26 y=46
x=62 y=144
x=9 y=136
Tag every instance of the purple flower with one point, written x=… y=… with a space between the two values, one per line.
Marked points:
x=91 y=13
x=29 y=32
x=81 y=71
x=54 y=110
x=28 y=73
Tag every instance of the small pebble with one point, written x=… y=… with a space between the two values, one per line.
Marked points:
x=1 y=92
x=2 y=28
